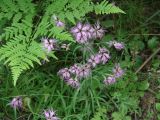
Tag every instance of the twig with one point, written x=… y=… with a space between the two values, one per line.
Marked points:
x=148 y=60
x=151 y=34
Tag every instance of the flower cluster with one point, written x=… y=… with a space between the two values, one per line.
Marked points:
x=75 y=73
x=83 y=33
x=101 y=57
x=117 y=73
x=16 y=102
x=50 y=115
x=116 y=45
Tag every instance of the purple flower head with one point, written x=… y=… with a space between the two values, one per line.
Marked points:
x=86 y=27
x=73 y=83
x=98 y=31
x=81 y=37
x=84 y=71
x=59 y=23
x=88 y=30
x=16 y=102
x=82 y=32
x=50 y=115
x=94 y=60
x=109 y=80
x=118 y=45
x=49 y=44
x=118 y=72
x=64 y=73
x=74 y=69
x=104 y=55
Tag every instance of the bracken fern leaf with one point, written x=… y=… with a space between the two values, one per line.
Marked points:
x=20 y=56
x=107 y=8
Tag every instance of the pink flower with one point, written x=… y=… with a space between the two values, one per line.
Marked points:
x=16 y=102
x=64 y=73
x=118 y=45
x=82 y=32
x=50 y=115
x=74 y=69
x=49 y=44
x=104 y=55
x=73 y=83
x=58 y=23
x=94 y=60
x=98 y=31
x=109 y=80
x=89 y=30
x=84 y=71
x=118 y=72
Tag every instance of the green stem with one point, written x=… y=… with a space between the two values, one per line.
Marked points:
x=15 y=114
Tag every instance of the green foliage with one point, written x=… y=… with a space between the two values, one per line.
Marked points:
x=134 y=96
x=158 y=107
x=20 y=50
x=136 y=44
x=100 y=114
x=26 y=25
x=107 y=8
x=23 y=28
x=14 y=9
x=144 y=85
x=20 y=56
x=153 y=43
x=120 y=116
x=70 y=9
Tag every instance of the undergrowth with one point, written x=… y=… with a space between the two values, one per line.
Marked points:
x=39 y=46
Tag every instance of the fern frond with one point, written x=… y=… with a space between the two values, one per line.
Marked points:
x=17 y=29
x=9 y=8
x=21 y=21
x=70 y=10
x=107 y=8
x=59 y=34
x=21 y=56
x=16 y=71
